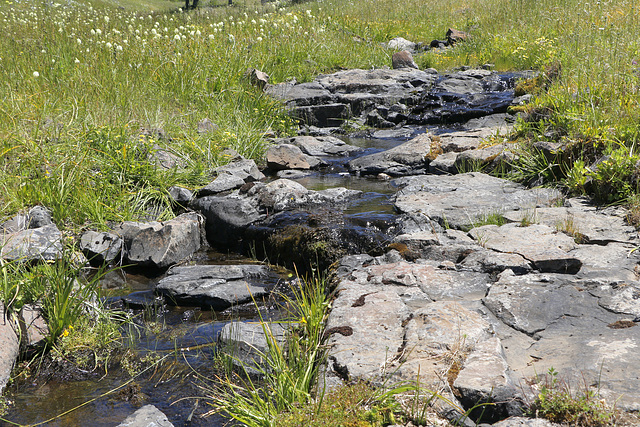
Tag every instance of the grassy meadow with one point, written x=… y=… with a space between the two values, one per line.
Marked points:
x=90 y=90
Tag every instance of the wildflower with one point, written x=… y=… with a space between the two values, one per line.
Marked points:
x=108 y=45
x=119 y=48
x=36 y=74
x=77 y=61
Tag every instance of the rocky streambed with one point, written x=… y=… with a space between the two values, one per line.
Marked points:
x=471 y=283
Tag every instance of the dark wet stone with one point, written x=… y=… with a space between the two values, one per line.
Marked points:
x=225 y=218
x=215 y=287
x=410 y=158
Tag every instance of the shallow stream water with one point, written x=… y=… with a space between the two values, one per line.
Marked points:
x=186 y=334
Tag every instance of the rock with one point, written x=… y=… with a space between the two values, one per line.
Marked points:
x=161 y=244
x=400 y=43
x=44 y=243
x=257 y=78
x=284 y=194
x=287 y=156
x=180 y=196
x=215 y=287
x=9 y=347
x=226 y=218
x=242 y=168
x=444 y=164
x=496 y=262
x=321 y=146
x=326 y=115
x=350 y=329
x=525 y=422
x=485 y=378
x=532 y=302
x=615 y=262
x=164 y=158
x=544 y=247
x=586 y=223
x=493 y=157
x=33 y=326
x=206 y=126
x=459 y=201
x=147 y=416
x=454 y=36
x=248 y=345
x=403 y=59
x=101 y=248
x=223 y=182
x=409 y=158
x=38 y=216
x=15 y=224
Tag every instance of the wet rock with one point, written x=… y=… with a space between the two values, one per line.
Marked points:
x=325 y=115
x=321 y=146
x=44 y=243
x=9 y=347
x=147 y=416
x=485 y=379
x=543 y=246
x=403 y=59
x=287 y=156
x=226 y=218
x=101 y=248
x=161 y=244
x=180 y=196
x=461 y=200
x=215 y=287
x=249 y=343
x=409 y=158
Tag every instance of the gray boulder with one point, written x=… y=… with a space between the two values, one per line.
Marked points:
x=38 y=216
x=161 y=244
x=101 y=248
x=226 y=218
x=147 y=416
x=320 y=146
x=400 y=43
x=409 y=158
x=44 y=243
x=180 y=196
x=403 y=59
x=287 y=156
x=215 y=287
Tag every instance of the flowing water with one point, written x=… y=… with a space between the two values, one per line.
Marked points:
x=187 y=336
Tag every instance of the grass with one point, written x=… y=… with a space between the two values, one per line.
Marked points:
x=558 y=403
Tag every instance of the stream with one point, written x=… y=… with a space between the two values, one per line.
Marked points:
x=185 y=334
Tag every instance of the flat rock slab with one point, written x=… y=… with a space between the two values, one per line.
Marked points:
x=609 y=263
x=409 y=158
x=532 y=302
x=461 y=201
x=365 y=339
x=586 y=222
x=547 y=249
x=216 y=287
x=147 y=416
